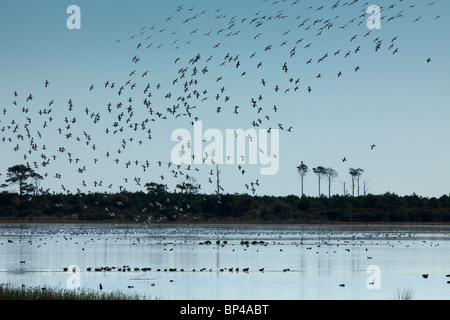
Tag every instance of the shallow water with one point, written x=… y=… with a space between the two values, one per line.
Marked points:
x=185 y=262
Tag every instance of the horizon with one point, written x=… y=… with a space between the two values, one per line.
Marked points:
x=332 y=88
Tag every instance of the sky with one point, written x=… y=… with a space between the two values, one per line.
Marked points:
x=368 y=87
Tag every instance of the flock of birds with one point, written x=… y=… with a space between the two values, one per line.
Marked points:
x=165 y=243
x=215 y=54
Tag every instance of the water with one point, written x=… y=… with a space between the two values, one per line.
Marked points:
x=284 y=262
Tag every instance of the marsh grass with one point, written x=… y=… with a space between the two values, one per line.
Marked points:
x=404 y=294
x=10 y=292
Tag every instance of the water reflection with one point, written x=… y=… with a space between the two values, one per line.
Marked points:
x=284 y=262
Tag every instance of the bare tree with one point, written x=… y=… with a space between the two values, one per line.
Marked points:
x=366 y=183
x=319 y=171
x=344 y=189
x=218 y=180
x=358 y=175
x=302 y=170
x=36 y=183
x=331 y=175
x=352 y=172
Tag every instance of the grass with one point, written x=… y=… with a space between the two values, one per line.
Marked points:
x=404 y=294
x=10 y=292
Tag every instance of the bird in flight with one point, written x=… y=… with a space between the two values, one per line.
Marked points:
x=192 y=90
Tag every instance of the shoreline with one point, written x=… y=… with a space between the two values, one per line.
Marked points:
x=223 y=223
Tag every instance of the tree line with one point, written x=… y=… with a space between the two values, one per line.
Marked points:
x=156 y=204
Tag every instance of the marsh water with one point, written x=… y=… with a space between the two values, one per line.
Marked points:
x=231 y=262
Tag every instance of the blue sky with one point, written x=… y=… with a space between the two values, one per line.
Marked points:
x=397 y=101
